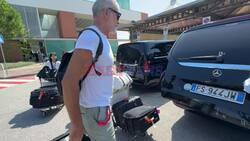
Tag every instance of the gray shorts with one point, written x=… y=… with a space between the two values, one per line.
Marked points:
x=90 y=118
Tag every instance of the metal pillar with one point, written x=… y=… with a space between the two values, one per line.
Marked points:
x=5 y=71
x=165 y=33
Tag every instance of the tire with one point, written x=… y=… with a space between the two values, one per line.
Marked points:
x=164 y=95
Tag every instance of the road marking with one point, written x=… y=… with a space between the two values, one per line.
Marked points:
x=6 y=83
x=15 y=80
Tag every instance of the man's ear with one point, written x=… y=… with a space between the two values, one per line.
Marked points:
x=105 y=13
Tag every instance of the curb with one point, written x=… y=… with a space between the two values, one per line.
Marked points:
x=11 y=77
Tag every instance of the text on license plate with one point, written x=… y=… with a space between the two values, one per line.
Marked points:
x=224 y=94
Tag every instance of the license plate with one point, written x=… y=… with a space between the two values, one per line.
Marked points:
x=223 y=94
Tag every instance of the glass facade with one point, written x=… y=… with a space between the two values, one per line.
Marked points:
x=30 y=20
x=49 y=26
x=114 y=46
x=172 y=2
x=124 y=4
x=59 y=46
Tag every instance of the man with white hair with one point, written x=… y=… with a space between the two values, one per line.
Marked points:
x=92 y=117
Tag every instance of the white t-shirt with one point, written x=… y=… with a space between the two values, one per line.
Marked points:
x=96 y=90
x=55 y=64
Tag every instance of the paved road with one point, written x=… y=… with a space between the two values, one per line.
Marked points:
x=18 y=121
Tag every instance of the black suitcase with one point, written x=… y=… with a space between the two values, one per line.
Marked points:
x=123 y=106
x=139 y=119
x=45 y=97
x=65 y=137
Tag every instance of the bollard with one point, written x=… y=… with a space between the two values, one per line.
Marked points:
x=4 y=71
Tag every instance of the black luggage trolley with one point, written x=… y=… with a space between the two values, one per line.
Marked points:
x=47 y=97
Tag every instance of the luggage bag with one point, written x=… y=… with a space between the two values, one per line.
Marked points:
x=121 y=85
x=123 y=106
x=139 y=119
x=45 y=97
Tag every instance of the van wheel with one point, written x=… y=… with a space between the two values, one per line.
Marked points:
x=164 y=94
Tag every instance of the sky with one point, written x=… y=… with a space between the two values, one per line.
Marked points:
x=153 y=7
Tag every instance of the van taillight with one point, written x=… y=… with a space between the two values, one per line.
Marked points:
x=158 y=110
x=146 y=66
x=120 y=68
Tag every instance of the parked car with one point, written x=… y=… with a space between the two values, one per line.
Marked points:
x=207 y=68
x=144 y=61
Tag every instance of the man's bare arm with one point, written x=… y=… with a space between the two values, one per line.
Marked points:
x=77 y=68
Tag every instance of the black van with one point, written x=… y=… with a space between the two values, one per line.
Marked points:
x=144 y=61
x=207 y=67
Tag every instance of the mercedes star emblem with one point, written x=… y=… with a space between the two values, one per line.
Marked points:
x=217 y=73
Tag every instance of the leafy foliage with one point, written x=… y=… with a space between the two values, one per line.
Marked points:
x=11 y=25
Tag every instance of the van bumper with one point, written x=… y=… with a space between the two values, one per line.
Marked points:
x=223 y=110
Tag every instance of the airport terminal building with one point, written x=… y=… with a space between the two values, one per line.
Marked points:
x=53 y=25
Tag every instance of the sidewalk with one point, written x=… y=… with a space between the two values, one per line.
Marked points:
x=22 y=71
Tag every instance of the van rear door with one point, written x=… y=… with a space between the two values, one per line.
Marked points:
x=128 y=56
x=157 y=54
x=217 y=56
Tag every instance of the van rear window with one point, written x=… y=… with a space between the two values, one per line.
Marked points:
x=128 y=53
x=159 y=49
x=233 y=40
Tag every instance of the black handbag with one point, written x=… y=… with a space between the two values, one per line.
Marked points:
x=46 y=73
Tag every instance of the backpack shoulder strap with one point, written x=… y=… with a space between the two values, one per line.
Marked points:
x=52 y=66
x=98 y=53
x=100 y=45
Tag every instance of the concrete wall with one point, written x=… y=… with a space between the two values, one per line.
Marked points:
x=78 y=6
x=147 y=36
x=173 y=37
x=144 y=16
x=12 y=51
x=112 y=35
x=67 y=26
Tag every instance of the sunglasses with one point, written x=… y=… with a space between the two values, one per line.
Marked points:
x=118 y=14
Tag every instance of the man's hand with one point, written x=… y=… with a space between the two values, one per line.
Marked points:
x=76 y=134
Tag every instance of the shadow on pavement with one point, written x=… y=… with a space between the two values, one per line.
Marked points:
x=149 y=96
x=31 y=117
x=193 y=126
x=123 y=136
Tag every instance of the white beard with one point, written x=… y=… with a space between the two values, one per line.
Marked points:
x=247 y=85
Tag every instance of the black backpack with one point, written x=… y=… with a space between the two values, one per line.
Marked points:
x=66 y=59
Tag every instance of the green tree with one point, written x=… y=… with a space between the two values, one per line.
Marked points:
x=11 y=25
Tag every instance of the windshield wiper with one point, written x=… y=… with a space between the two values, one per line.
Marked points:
x=217 y=58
